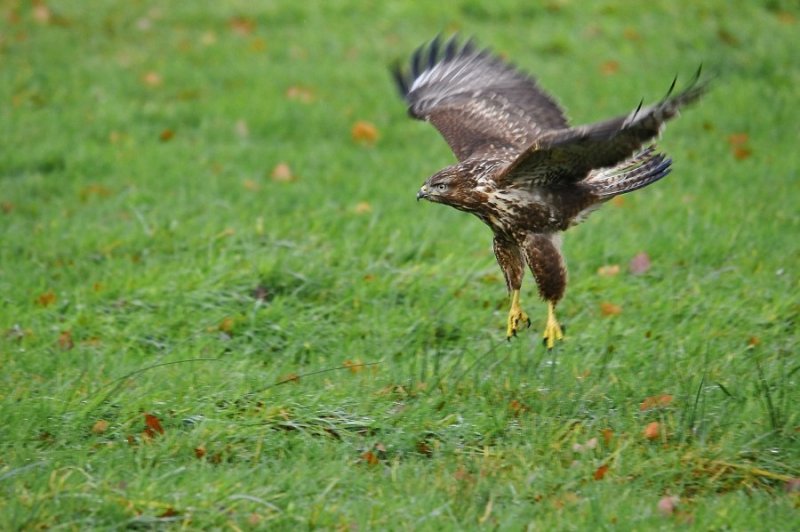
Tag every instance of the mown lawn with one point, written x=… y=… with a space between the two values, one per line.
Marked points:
x=221 y=306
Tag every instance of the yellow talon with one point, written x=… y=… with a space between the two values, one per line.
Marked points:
x=515 y=316
x=552 y=330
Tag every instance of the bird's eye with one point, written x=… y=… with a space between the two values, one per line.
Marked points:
x=441 y=187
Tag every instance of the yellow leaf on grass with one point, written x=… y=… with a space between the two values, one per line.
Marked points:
x=289 y=377
x=362 y=207
x=152 y=79
x=251 y=185
x=354 y=365
x=226 y=325
x=609 y=270
x=282 y=173
x=41 y=13
x=364 y=132
x=299 y=93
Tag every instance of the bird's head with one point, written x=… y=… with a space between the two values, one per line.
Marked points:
x=441 y=187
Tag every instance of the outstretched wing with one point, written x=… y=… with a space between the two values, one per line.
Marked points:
x=479 y=103
x=568 y=155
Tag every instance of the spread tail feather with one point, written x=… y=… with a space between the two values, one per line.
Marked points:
x=644 y=168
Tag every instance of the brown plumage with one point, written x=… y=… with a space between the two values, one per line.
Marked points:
x=521 y=168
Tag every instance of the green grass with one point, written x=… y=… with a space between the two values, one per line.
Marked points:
x=129 y=264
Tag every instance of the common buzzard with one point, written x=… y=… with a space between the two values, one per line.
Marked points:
x=521 y=168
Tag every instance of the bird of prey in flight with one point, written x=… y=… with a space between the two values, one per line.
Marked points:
x=522 y=169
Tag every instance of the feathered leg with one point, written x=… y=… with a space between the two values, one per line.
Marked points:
x=545 y=261
x=510 y=258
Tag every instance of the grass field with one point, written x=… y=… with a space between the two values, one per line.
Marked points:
x=221 y=306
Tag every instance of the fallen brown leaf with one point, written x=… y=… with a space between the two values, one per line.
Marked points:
x=257 y=44
x=65 y=341
x=370 y=458
x=740 y=153
x=517 y=407
x=608 y=434
x=166 y=135
x=631 y=34
x=152 y=425
x=199 y=452
x=242 y=25
x=46 y=299
x=169 y=512
x=656 y=401
x=600 y=472
x=94 y=190
x=610 y=309
x=100 y=426
x=461 y=474
x=607 y=68
x=786 y=17
x=738 y=139
x=727 y=37
x=424 y=449
x=652 y=430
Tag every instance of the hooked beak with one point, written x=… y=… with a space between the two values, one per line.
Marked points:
x=423 y=193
